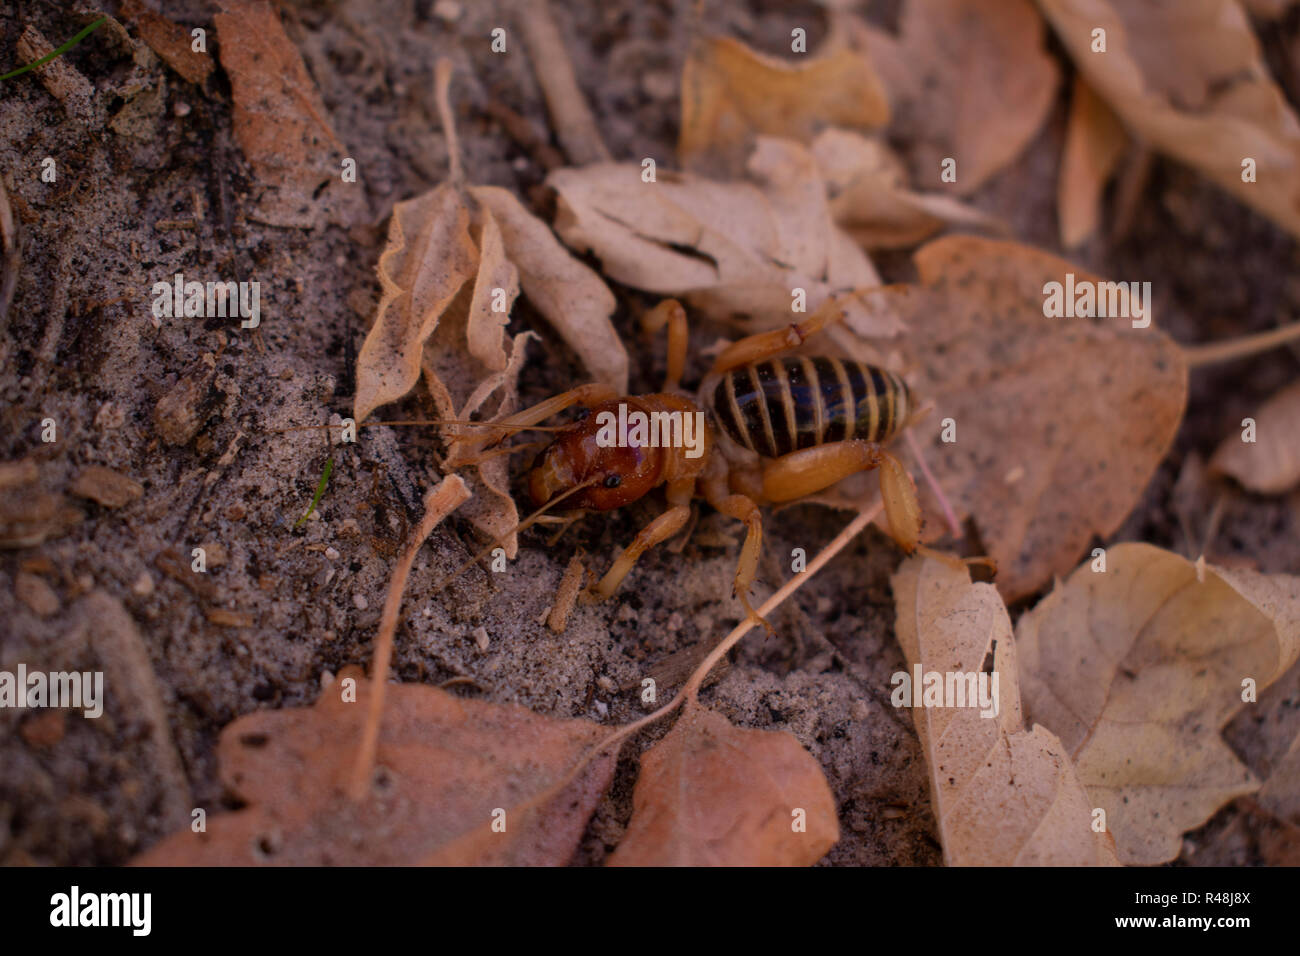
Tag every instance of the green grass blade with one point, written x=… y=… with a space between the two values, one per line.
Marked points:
x=320 y=490
x=59 y=52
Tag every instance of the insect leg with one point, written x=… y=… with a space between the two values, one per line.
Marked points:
x=657 y=531
x=742 y=508
x=670 y=312
x=763 y=345
x=589 y=394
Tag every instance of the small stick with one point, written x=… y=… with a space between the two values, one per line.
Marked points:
x=1200 y=355
x=449 y=495
x=441 y=92
x=572 y=118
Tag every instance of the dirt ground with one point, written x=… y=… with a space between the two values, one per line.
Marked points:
x=81 y=348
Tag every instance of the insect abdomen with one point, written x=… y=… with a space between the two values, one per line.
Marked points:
x=794 y=402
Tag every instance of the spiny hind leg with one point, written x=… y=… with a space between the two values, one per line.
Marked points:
x=590 y=394
x=656 y=532
x=669 y=312
x=742 y=508
x=811 y=470
x=764 y=345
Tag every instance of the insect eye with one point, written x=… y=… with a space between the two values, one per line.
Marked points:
x=613 y=481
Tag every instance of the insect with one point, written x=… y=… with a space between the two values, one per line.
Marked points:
x=781 y=427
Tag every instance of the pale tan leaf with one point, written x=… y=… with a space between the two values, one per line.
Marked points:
x=968 y=79
x=731 y=94
x=1189 y=79
x=429 y=257
x=1094 y=143
x=445 y=766
x=281 y=123
x=1280 y=793
x=711 y=794
x=1269 y=465
x=869 y=198
x=735 y=250
x=1139 y=667
x=1049 y=450
x=1002 y=795
x=573 y=298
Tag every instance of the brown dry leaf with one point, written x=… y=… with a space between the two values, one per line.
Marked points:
x=731 y=94
x=1059 y=422
x=1190 y=80
x=169 y=40
x=968 y=79
x=445 y=766
x=1094 y=143
x=281 y=123
x=731 y=249
x=1139 y=668
x=869 y=198
x=29 y=513
x=711 y=794
x=1269 y=465
x=1002 y=795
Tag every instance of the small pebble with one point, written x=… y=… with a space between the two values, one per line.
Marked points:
x=181 y=108
x=332 y=554
x=481 y=638
x=447 y=10
x=360 y=601
x=606 y=683
x=143 y=585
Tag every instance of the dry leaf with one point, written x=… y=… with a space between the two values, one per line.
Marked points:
x=445 y=766
x=869 y=198
x=732 y=249
x=1094 y=143
x=968 y=79
x=1003 y=795
x=281 y=124
x=1189 y=79
x=711 y=794
x=1269 y=465
x=572 y=298
x=169 y=40
x=1059 y=422
x=1138 y=669
x=731 y=94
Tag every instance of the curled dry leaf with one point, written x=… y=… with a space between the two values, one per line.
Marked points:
x=1189 y=79
x=1270 y=464
x=731 y=94
x=445 y=766
x=731 y=249
x=1003 y=795
x=452 y=268
x=1137 y=670
x=711 y=794
x=1094 y=143
x=281 y=123
x=1059 y=422
x=869 y=198
x=968 y=79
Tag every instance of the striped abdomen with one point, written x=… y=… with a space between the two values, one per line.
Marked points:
x=794 y=402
